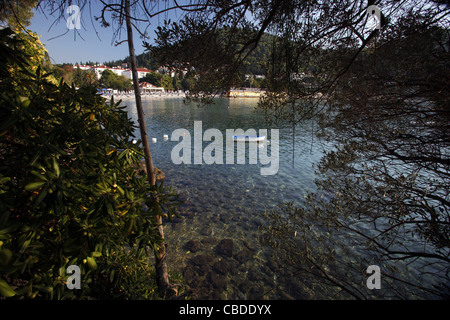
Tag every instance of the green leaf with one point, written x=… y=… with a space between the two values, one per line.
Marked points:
x=5 y=289
x=96 y=254
x=121 y=191
x=9 y=229
x=25 y=101
x=5 y=256
x=56 y=167
x=45 y=289
x=34 y=185
x=39 y=175
x=4 y=180
x=91 y=263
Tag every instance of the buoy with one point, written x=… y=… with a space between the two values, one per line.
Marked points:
x=154 y=140
x=166 y=137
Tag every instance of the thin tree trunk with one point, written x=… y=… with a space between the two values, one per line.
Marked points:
x=161 y=267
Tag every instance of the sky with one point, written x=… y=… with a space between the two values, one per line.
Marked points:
x=91 y=42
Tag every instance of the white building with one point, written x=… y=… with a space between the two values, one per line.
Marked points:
x=141 y=73
x=82 y=66
x=146 y=87
x=98 y=69
x=118 y=70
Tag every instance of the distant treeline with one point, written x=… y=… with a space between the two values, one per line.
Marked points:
x=255 y=64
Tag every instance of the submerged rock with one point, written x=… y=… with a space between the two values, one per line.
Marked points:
x=248 y=245
x=201 y=264
x=223 y=267
x=189 y=274
x=244 y=255
x=209 y=241
x=207 y=231
x=217 y=281
x=225 y=218
x=202 y=260
x=256 y=293
x=192 y=245
x=245 y=286
x=225 y=248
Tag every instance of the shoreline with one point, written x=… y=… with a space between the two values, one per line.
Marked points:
x=144 y=96
x=182 y=95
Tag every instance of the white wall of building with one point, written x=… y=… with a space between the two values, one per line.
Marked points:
x=117 y=70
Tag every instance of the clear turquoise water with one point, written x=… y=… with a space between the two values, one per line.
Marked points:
x=227 y=201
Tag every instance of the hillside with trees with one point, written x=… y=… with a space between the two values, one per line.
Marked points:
x=255 y=64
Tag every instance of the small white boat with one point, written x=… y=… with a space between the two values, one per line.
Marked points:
x=249 y=138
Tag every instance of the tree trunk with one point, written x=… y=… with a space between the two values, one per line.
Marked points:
x=161 y=267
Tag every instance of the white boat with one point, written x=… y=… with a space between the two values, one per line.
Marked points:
x=249 y=138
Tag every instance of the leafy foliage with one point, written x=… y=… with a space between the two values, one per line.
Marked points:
x=159 y=80
x=384 y=188
x=380 y=95
x=75 y=76
x=17 y=13
x=111 y=80
x=69 y=189
x=213 y=55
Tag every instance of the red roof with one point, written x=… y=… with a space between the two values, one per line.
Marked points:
x=146 y=85
x=143 y=70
